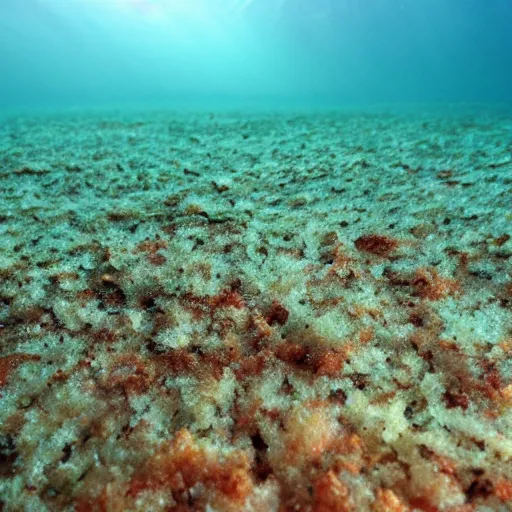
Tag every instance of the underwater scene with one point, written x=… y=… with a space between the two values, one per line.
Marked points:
x=255 y=255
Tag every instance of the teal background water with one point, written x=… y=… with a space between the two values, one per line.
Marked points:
x=271 y=52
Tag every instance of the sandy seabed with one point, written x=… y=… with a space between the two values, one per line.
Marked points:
x=256 y=312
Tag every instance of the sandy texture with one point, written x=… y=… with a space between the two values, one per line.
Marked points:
x=256 y=312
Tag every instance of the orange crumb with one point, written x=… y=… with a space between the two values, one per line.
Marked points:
x=227 y=298
x=246 y=417
x=277 y=314
x=130 y=373
x=506 y=346
x=444 y=464
x=503 y=490
x=376 y=244
x=330 y=363
x=330 y=494
x=180 y=465
x=293 y=353
x=423 y=504
x=150 y=246
x=59 y=376
x=156 y=259
x=366 y=335
x=456 y=399
x=358 y=311
x=387 y=501
x=260 y=326
x=348 y=445
x=341 y=260
x=448 y=345
x=506 y=393
x=104 y=336
x=431 y=286
x=308 y=433
x=235 y=484
x=252 y=365
x=351 y=467
x=493 y=378
x=178 y=361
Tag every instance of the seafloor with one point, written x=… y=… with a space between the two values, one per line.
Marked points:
x=256 y=312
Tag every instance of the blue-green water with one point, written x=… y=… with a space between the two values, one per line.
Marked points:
x=269 y=52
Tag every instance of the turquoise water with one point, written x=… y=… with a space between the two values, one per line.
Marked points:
x=254 y=52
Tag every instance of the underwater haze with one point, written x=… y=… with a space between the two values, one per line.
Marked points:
x=275 y=52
